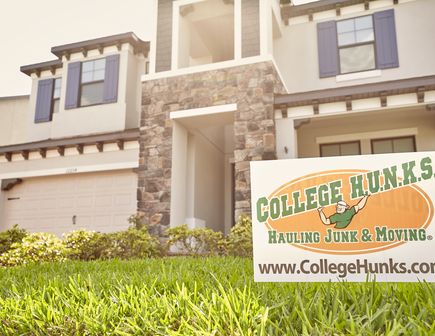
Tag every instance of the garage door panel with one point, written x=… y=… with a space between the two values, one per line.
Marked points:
x=124 y=180
x=14 y=205
x=65 y=222
x=48 y=204
x=103 y=201
x=103 y=221
x=121 y=222
x=33 y=187
x=86 y=184
x=31 y=204
x=12 y=221
x=66 y=203
x=48 y=223
x=50 y=186
x=29 y=223
x=84 y=202
x=67 y=185
x=123 y=200
x=105 y=182
x=83 y=222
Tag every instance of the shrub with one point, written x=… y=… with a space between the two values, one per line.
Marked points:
x=194 y=241
x=132 y=243
x=135 y=221
x=239 y=241
x=35 y=247
x=9 y=237
x=85 y=245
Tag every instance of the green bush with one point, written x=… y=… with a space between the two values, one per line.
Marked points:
x=239 y=241
x=131 y=243
x=9 y=237
x=35 y=247
x=194 y=241
x=85 y=245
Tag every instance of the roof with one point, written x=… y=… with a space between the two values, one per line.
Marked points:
x=139 y=45
x=83 y=46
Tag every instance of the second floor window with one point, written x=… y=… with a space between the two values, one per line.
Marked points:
x=92 y=82
x=356 y=44
x=56 y=94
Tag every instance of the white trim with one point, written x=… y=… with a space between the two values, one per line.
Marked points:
x=175 y=36
x=359 y=75
x=377 y=109
x=264 y=6
x=203 y=111
x=238 y=29
x=153 y=45
x=64 y=170
x=367 y=135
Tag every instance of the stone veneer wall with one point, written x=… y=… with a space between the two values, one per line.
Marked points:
x=164 y=36
x=250 y=28
x=252 y=87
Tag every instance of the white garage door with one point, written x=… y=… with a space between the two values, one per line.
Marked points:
x=96 y=201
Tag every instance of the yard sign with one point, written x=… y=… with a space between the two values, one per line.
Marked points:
x=343 y=218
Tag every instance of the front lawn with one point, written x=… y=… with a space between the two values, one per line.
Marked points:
x=211 y=296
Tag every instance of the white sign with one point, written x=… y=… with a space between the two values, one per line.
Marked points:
x=343 y=218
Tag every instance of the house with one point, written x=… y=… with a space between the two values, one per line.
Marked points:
x=228 y=82
x=69 y=149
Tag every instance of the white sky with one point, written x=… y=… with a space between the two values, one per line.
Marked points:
x=29 y=28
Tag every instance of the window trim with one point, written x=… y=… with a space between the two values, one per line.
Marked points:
x=340 y=143
x=81 y=85
x=394 y=138
x=53 y=100
x=357 y=45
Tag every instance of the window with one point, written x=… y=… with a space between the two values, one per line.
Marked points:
x=92 y=82
x=56 y=94
x=394 y=145
x=340 y=149
x=358 y=44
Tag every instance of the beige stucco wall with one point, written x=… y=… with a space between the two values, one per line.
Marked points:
x=123 y=114
x=13 y=119
x=394 y=119
x=296 y=53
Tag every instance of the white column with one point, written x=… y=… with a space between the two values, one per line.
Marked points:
x=286 y=137
x=237 y=29
x=266 y=33
x=3 y=204
x=153 y=44
x=179 y=174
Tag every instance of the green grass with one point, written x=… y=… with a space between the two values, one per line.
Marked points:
x=213 y=296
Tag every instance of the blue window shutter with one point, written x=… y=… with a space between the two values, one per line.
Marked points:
x=386 y=41
x=43 y=100
x=72 y=86
x=110 y=94
x=327 y=45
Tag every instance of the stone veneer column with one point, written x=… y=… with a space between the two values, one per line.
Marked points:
x=252 y=87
